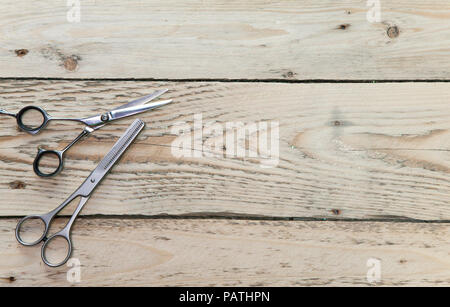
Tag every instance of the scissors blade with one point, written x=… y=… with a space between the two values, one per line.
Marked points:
x=121 y=113
x=143 y=100
x=110 y=159
x=134 y=107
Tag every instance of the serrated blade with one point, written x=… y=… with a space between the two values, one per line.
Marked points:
x=111 y=158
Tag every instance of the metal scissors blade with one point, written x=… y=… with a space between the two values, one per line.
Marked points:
x=111 y=158
x=142 y=100
x=121 y=113
x=134 y=107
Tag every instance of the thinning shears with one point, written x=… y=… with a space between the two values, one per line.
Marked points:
x=92 y=123
x=27 y=226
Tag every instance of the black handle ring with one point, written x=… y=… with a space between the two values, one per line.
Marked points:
x=41 y=153
x=28 y=129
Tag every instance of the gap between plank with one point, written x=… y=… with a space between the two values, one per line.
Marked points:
x=205 y=216
x=228 y=80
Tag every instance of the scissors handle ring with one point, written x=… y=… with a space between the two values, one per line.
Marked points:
x=41 y=153
x=32 y=130
x=44 y=218
x=65 y=234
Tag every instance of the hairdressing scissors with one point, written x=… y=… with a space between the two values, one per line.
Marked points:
x=84 y=192
x=92 y=123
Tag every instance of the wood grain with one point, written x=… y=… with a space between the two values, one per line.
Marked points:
x=288 y=40
x=366 y=151
x=236 y=253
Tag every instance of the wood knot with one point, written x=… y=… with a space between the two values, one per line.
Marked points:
x=10 y=278
x=17 y=185
x=393 y=32
x=162 y=238
x=289 y=74
x=337 y=123
x=336 y=211
x=70 y=63
x=21 y=52
x=343 y=26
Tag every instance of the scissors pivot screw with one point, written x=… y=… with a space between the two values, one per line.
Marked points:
x=104 y=117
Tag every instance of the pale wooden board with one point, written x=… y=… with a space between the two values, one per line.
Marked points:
x=346 y=150
x=236 y=253
x=295 y=40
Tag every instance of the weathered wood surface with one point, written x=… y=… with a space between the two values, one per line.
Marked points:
x=367 y=151
x=237 y=253
x=292 y=40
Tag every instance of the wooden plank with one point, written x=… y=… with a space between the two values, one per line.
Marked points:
x=366 y=151
x=292 y=40
x=236 y=253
